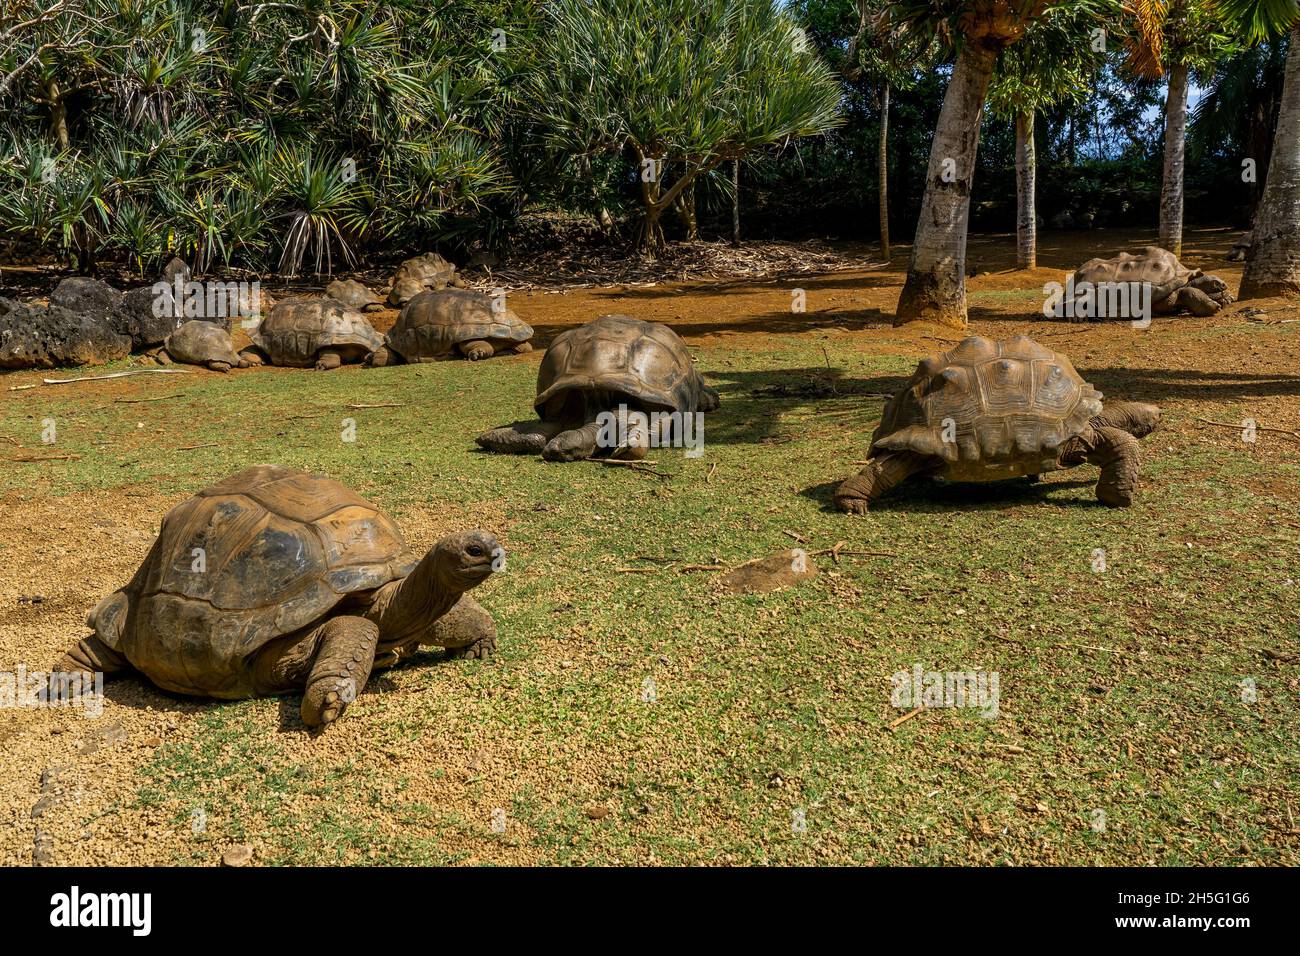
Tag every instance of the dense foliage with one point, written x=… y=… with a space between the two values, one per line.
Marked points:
x=302 y=135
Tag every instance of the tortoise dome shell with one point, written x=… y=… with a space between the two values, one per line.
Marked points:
x=261 y=555
x=989 y=409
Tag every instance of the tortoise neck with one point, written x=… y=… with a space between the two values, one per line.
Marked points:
x=404 y=610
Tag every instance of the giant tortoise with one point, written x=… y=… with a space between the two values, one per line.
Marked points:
x=275 y=581
x=987 y=411
x=452 y=322
x=612 y=366
x=303 y=333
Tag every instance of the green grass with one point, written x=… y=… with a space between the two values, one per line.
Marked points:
x=1120 y=691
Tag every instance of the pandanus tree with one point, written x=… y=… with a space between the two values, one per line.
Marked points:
x=1273 y=260
x=680 y=86
x=979 y=31
x=1052 y=64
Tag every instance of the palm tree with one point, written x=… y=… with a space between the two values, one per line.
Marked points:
x=1273 y=260
x=1051 y=65
x=935 y=289
x=1174 y=38
x=889 y=56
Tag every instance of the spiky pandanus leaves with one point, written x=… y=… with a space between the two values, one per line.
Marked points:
x=681 y=84
x=185 y=128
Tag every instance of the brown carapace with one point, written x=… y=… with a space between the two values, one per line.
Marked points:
x=275 y=581
x=988 y=411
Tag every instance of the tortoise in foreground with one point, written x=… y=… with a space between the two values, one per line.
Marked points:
x=302 y=333
x=1174 y=287
x=436 y=325
x=199 y=342
x=611 y=364
x=987 y=411
x=275 y=581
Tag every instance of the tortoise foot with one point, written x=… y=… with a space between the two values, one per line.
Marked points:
x=481 y=649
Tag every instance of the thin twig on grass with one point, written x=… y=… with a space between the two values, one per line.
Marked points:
x=895 y=724
x=1259 y=428
x=101 y=378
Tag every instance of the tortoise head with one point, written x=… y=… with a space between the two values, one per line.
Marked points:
x=463 y=561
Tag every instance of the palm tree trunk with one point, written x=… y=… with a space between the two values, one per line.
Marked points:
x=1273 y=261
x=1026 y=178
x=936 y=277
x=1171 y=193
x=883 y=165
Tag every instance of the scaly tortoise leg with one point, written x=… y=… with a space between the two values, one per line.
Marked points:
x=467 y=630
x=1116 y=452
x=339 y=669
x=328 y=360
x=520 y=438
x=883 y=472
x=477 y=350
x=574 y=444
x=92 y=655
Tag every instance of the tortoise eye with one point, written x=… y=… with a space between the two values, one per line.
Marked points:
x=474 y=551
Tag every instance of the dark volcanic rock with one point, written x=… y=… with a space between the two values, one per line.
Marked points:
x=79 y=294
x=36 y=337
x=136 y=318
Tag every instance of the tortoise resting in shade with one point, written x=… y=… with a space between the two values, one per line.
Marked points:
x=988 y=411
x=276 y=581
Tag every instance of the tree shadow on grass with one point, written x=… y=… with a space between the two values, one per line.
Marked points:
x=1156 y=384
x=754 y=402
x=935 y=496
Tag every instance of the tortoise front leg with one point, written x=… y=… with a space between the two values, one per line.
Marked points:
x=1116 y=452
x=253 y=356
x=574 y=444
x=519 y=438
x=467 y=630
x=339 y=669
x=883 y=472
x=476 y=350
x=1196 y=302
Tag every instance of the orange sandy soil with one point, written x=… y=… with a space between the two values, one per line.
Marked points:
x=77 y=548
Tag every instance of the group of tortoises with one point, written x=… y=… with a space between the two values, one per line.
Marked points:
x=305 y=586
x=439 y=318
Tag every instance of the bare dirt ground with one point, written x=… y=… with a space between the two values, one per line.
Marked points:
x=71 y=783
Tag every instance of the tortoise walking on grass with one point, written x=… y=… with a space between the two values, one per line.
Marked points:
x=1174 y=286
x=612 y=362
x=275 y=581
x=987 y=411
x=303 y=333
x=436 y=325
